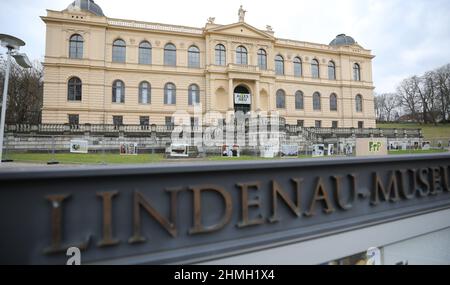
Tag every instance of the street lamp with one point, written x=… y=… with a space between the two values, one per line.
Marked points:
x=12 y=44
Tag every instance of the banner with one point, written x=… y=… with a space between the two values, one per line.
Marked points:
x=79 y=146
x=373 y=146
x=243 y=99
x=128 y=149
x=289 y=150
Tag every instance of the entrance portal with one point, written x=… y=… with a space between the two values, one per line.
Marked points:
x=242 y=99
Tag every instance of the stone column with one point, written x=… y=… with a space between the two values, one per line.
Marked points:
x=230 y=94
x=257 y=96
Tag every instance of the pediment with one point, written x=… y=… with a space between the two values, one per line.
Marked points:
x=242 y=30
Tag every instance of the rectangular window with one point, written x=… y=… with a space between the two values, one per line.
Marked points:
x=300 y=123
x=194 y=59
x=117 y=120
x=279 y=68
x=220 y=57
x=298 y=101
x=145 y=54
x=119 y=54
x=318 y=124
x=74 y=119
x=262 y=62
x=170 y=57
x=297 y=69
x=169 y=122
x=144 y=120
x=334 y=124
x=281 y=101
x=360 y=124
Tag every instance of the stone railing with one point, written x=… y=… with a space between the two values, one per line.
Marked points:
x=251 y=125
x=154 y=26
x=346 y=132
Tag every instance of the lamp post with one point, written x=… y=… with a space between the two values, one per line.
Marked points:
x=12 y=44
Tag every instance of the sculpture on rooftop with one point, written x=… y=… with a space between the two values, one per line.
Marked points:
x=241 y=14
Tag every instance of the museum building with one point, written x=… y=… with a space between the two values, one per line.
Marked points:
x=101 y=70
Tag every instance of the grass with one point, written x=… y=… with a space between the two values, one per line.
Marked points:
x=419 y=151
x=110 y=158
x=429 y=131
x=91 y=158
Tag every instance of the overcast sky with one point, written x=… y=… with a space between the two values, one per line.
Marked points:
x=408 y=37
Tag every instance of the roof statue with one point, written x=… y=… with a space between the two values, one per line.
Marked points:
x=241 y=14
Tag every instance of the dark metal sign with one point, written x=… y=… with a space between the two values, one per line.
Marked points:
x=196 y=212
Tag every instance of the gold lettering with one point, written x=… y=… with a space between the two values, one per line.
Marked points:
x=198 y=228
x=436 y=187
x=56 y=224
x=403 y=185
x=422 y=176
x=246 y=204
x=391 y=193
x=277 y=191
x=338 y=192
x=445 y=179
x=107 y=240
x=320 y=194
x=169 y=226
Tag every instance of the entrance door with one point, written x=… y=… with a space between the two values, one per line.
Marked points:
x=242 y=99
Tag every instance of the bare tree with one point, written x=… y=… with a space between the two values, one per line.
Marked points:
x=442 y=82
x=408 y=98
x=25 y=93
x=390 y=104
x=379 y=109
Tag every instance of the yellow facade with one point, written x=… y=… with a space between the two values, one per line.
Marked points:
x=217 y=83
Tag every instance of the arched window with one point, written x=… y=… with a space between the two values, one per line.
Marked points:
x=359 y=103
x=170 y=55
x=74 y=89
x=331 y=71
x=316 y=101
x=170 y=94
x=315 y=68
x=333 y=102
x=194 y=95
x=76 y=46
x=119 y=51
x=241 y=55
x=193 y=57
x=279 y=65
x=145 y=92
x=145 y=53
x=262 y=59
x=220 y=55
x=297 y=67
x=356 y=72
x=281 y=99
x=299 y=100
x=118 y=92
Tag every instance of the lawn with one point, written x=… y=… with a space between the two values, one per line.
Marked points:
x=395 y=152
x=91 y=158
x=110 y=158
x=429 y=131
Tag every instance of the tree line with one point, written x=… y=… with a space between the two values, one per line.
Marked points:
x=25 y=92
x=420 y=99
